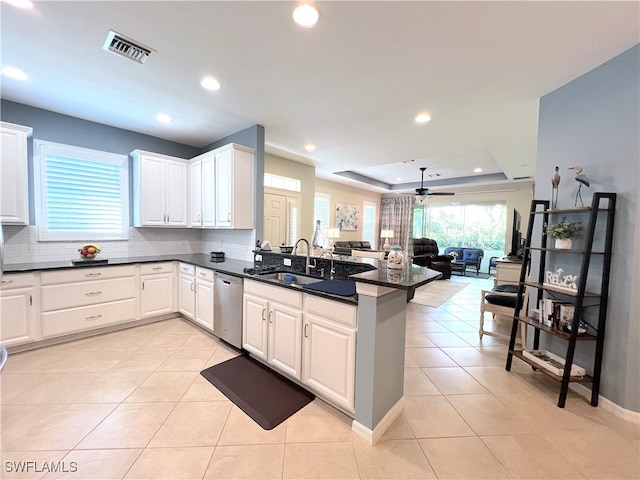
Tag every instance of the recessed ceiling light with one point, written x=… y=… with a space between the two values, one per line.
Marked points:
x=477 y=170
x=164 y=118
x=210 y=83
x=398 y=179
x=20 y=3
x=306 y=15
x=14 y=72
x=422 y=118
x=309 y=147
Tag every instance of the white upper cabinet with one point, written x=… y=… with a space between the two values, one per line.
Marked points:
x=222 y=188
x=14 y=183
x=202 y=190
x=160 y=190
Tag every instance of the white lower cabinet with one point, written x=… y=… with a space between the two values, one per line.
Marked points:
x=204 y=297
x=19 y=307
x=87 y=298
x=329 y=350
x=272 y=330
x=196 y=294
x=156 y=289
x=187 y=291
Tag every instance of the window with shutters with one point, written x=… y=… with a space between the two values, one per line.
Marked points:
x=80 y=194
x=321 y=211
x=369 y=224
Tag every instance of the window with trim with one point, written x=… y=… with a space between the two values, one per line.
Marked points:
x=321 y=211
x=81 y=194
x=369 y=223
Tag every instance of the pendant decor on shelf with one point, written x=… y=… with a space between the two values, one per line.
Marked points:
x=395 y=258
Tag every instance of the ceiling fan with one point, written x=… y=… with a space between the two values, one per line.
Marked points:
x=425 y=192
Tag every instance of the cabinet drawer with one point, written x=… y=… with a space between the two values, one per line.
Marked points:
x=87 y=318
x=187 y=269
x=69 y=295
x=82 y=274
x=340 y=312
x=17 y=280
x=204 y=273
x=153 y=268
x=271 y=292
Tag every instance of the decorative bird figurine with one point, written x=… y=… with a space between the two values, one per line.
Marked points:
x=582 y=179
x=555 y=181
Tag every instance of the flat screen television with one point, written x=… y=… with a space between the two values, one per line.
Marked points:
x=516 y=236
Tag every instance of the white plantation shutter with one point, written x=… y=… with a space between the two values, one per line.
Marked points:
x=369 y=224
x=321 y=211
x=82 y=194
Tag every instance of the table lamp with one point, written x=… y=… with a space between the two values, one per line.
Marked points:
x=331 y=234
x=386 y=234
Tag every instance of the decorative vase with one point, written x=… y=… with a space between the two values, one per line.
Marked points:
x=395 y=258
x=563 y=243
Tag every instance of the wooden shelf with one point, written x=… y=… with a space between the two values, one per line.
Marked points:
x=562 y=250
x=518 y=354
x=555 y=211
x=554 y=331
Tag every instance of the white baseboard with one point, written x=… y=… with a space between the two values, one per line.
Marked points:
x=608 y=405
x=372 y=436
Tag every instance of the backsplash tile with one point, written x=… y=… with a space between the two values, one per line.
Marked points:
x=21 y=245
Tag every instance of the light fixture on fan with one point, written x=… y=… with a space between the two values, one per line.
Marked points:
x=423 y=193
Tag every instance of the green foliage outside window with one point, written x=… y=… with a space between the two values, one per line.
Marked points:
x=479 y=226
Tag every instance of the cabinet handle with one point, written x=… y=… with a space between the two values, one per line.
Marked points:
x=203 y=274
x=229 y=216
x=264 y=310
x=31 y=300
x=95 y=274
x=94 y=317
x=157 y=268
x=167 y=218
x=191 y=287
x=93 y=294
x=305 y=330
x=6 y=282
x=143 y=285
x=270 y=312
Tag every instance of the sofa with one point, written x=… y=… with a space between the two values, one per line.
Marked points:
x=345 y=247
x=426 y=254
x=472 y=257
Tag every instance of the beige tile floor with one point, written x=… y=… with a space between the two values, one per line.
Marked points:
x=132 y=405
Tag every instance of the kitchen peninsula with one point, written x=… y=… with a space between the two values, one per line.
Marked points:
x=378 y=325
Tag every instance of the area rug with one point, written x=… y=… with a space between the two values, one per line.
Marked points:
x=434 y=294
x=263 y=394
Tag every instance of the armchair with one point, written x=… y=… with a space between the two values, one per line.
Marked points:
x=426 y=254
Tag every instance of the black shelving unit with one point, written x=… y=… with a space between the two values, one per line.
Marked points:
x=602 y=210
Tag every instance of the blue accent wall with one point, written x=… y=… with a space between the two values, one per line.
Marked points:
x=594 y=122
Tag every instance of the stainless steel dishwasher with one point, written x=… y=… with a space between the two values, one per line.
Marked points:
x=227 y=308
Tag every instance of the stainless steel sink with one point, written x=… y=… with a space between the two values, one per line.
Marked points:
x=289 y=278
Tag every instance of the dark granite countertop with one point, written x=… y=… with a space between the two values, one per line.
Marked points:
x=409 y=278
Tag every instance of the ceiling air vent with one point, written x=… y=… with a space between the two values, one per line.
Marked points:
x=127 y=48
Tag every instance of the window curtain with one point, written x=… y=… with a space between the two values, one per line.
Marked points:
x=397 y=214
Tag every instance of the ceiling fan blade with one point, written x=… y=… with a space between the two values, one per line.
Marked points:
x=441 y=193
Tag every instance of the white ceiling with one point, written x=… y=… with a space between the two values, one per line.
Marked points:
x=352 y=85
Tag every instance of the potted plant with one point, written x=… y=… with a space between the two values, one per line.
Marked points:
x=564 y=231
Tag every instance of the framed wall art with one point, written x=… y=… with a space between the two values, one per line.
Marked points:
x=347 y=216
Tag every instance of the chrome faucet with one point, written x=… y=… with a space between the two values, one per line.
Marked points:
x=333 y=270
x=307 y=268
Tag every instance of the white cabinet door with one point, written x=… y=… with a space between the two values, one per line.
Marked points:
x=254 y=325
x=156 y=295
x=151 y=184
x=187 y=296
x=204 y=303
x=329 y=359
x=14 y=184
x=201 y=190
x=17 y=316
x=195 y=194
x=224 y=187
x=285 y=339
x=176 y=190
